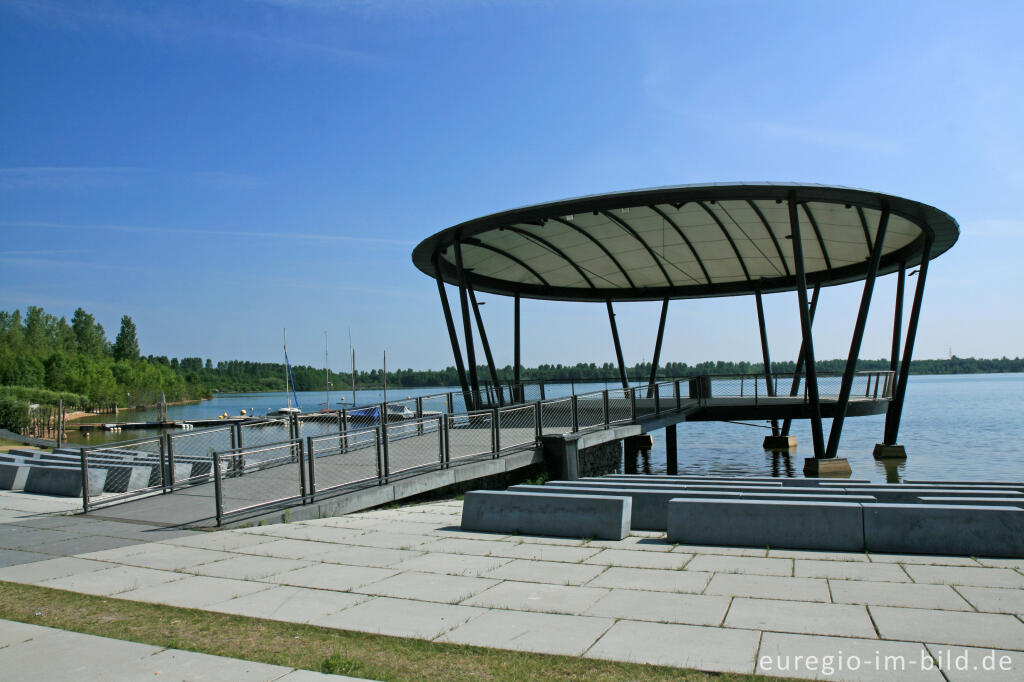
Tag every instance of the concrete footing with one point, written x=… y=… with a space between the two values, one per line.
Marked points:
x=883 y=451
x=779 y=442
x=832 y=466
x=579 y=516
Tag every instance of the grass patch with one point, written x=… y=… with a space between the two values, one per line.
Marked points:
x=307 y=646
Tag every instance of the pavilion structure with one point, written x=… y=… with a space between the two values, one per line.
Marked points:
x=701 y=241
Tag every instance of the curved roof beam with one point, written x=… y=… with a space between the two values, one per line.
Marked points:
x=625 y=226
x=728 y=236
x=864 y=224
x=529 y=236
x=684 y=238
x=817 y=233
x=768 y=229
x=601 y=246
x=473 y=241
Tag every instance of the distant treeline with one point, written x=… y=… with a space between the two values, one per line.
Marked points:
x=75 y=360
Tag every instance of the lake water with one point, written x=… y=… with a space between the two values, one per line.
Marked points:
x=968 y=427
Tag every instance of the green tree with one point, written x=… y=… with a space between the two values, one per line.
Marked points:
x=126 y=345
x=89 y=334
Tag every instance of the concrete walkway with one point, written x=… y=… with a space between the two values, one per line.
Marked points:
x=27 y=653
x=411 y=572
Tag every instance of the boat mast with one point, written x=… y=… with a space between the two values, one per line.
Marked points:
x=287 y=388
x=385 y=377
x=327 y=375
x=352 y=351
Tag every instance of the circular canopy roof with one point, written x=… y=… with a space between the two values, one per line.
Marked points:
x=690 y=241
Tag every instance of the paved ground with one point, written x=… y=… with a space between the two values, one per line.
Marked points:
x=411 y=572
x=26 y=653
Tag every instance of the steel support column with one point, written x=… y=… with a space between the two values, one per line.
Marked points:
x=487 y=347
x=516 y=358
x=657 y=348
x=618 y=346
x=765 y=355
x=794 y=390
x=897 y=321
x=895 y=411
x=467 y=327
x=461 y=368
x=805 y=330
x=858 y=335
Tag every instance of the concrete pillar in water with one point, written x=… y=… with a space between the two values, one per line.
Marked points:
x=671 y=455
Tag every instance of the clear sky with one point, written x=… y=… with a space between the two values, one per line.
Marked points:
x=219 y=170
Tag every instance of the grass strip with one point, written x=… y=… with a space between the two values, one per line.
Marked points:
x=309 y=647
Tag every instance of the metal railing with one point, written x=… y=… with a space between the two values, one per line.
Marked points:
x=300 y=458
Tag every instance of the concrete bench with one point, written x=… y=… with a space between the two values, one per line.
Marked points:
x=64 y=481
x=976 y=501
x=650 y=507
x=727 y=480
x=13 y=476
x=835 y=526
x=576 y=516
x=963 y=530
x=666 y=485
x=897 y=494
x=978 y=484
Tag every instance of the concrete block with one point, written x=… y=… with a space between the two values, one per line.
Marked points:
x=831 y=466
x=975 y=501
x=593 y=516
x=883 y=451
x=13 y=476
x=944 y=529
x=959 y=484
x=64 y=481
x=761 y=523
x=898 y=494
x=669 y=485
x=779 y=443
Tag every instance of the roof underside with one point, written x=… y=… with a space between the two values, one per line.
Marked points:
x=683 y=242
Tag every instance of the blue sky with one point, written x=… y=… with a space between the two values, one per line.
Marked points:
x=218 y=170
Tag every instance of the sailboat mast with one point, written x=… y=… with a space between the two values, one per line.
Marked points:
x=352 y=351
x=327 y=375
x=385 y=376
x=287 y=387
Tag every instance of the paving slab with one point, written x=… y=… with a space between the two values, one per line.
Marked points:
x=849 y=570
x=528 y=550
x=693 y=609
x=38 y=571
x=389 y=540
x=174 y=664
x=305 y=531
x=113 y=580
x=333 y=577
x=811 y=618
x=915 y=595
x=546 y=540
x=656 y=580
x=922 y=559
x=969 y=664
x=769 y=587
x=447 y=589
x=544 y=633
x=400 y=618
x=248 y=567
x=957 y=575
x=621 y=557
x=84 y=544
x=817 y=555
x=13 y=557
x=224 y=540
x=166 y=557
x=194 y=591
x=1001 y=563
x=683 y=646
x=551 y=572
x=949 y=627
x=519 y=596
x=636 y=541
x=994 y=599
x=291 y=604
x=354 y=555
x=741 y=564
x=452 y=564
x=816 y=657
x=721 y=551
x=460 y=545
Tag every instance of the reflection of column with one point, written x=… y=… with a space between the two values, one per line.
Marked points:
x=671 y=450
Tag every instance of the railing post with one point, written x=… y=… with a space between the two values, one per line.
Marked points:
x=163 y=463
x=419 y=415
x=542 y=396
x=741 y=385
x=755 y=391
x=574 y=408
x=495 y=436
x=234 y=440
x=302 y=471
x=85 y=480
x=657 y=400
x=344 y=429
x=632 y=403
x=310 y=458
x=170 y=462
x=605 y=407
x=384 y=440
x=676 y=395
x=380 y=456
x=538 y=427
x=440 y=439
x=218 y=491
x=451 y=403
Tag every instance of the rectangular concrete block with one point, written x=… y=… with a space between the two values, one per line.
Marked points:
x=13 y=476
x=963 y=530
x=898 y=494
x=759 y=523
x=975 y=501
x=64 y=481
x=575 y=516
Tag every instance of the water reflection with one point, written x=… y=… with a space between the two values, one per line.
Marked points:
x=782 y=464
x=893 y=469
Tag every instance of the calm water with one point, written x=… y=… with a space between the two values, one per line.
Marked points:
x=954 y=427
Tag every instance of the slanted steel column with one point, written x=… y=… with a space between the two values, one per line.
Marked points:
x=487 y=347
x=451 y=334
x=467 y=327
x=765 y=354
x=516 y=359
x=618 y=346
x=897 y=321
x=657 y=348
x=794 y=390
x=858 y=335
x=805 y=330
x=895 y=411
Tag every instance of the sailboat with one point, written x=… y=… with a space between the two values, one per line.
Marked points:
x=289 y=384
